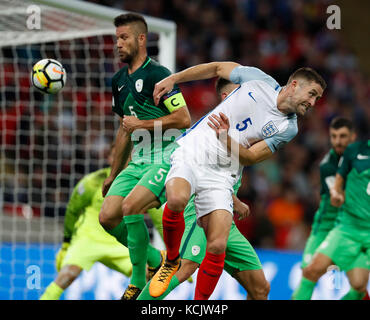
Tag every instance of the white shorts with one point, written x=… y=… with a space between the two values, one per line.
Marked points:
x=212 y=187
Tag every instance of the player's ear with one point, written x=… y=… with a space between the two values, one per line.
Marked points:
x=142 y=39
x=293 y=85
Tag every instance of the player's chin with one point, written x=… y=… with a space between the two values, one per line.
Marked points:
x=339 y=150
x=301 y=110
x=124 y=57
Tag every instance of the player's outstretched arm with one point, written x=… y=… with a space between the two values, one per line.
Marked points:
x=260 y=151
x=337 y=192
x=80 y=198
x=199 y=72
x=123 y=148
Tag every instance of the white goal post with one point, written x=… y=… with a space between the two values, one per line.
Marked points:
x=102 y=15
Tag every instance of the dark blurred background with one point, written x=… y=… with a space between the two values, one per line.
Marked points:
x=277 y=37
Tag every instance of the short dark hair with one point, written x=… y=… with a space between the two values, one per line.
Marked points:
x=308 y=74
x=220 y=84
x=340 y=122
x=128 y=18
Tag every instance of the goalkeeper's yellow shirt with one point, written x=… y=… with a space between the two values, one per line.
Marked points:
x=82 y=214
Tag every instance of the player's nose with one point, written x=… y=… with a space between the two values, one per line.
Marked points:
x=119 y=43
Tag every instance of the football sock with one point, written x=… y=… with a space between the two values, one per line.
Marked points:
x=304 y=290
x=353 y=294
x=120 y=233
x=52 y=292
x=173 y=229
x=145 y=295
x=137 y=243
x=154 y=257
x=209 y=272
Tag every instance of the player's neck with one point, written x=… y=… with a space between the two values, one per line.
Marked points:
x=137 y=62
x=283 y=102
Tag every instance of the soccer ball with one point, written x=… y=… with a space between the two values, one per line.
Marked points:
x=48 y=76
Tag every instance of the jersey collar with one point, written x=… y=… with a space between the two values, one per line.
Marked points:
x=145 y=63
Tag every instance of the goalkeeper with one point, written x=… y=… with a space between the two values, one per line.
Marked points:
x=86 y=242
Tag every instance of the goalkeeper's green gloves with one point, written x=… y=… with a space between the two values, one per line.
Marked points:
x=61 y=254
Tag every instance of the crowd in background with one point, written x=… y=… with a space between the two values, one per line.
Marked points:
x=277 y=37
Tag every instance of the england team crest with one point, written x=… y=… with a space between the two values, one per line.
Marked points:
x=269 y=129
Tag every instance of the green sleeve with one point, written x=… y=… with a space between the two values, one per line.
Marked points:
x=344 y=166
x=160 y=73
x=81 y=198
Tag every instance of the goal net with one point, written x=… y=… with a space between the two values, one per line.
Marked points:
x=48 y=142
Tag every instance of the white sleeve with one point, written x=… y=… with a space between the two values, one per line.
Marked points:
x=242 y=74
x=279 y=139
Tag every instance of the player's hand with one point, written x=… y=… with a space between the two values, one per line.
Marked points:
x=60 y=255
x=131 y=123
x=336 y=198
x=106 y=185
x=162 y=87
x=219 y=123
x=241 y=208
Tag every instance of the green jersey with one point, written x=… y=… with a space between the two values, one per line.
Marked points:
x=326 y=214
x=84 y=204
x=133 y=96
x=354 y=167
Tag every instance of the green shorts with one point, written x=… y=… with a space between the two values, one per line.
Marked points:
x=150 y=176
x=240 y=255
x=313 y=242
x=85 y=251
x=345 y=244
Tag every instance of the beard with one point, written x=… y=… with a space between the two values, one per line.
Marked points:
x=129 y=56
x=126 y=58
x=339 y=149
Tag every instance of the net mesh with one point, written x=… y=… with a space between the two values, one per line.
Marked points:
x=48 y=142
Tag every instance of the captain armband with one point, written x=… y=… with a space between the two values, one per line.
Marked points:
x=174 y=100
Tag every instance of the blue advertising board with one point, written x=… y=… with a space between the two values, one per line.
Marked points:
x=27 y=269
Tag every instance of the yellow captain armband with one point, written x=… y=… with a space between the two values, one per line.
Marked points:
x=174 y=102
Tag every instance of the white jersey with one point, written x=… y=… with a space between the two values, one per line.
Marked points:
x=253 y=116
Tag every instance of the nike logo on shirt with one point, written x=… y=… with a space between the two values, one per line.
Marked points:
x=119 y=88
x=250 y=94
x=362 y=157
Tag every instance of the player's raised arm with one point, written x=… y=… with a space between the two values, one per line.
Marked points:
x=198 y=72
